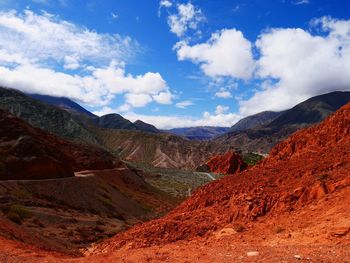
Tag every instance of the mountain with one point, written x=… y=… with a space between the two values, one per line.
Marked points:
x=199 y=133
x=312 y=110
x=261 y=139
x=143 y=126
x=255 y=120
x=31 y=153
x=159 y=150
x=63 y=103
x=294 y=199
x=44 y=116
x=114 y=121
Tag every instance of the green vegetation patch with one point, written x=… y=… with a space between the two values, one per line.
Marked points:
x=17 y=213
x=252 y=158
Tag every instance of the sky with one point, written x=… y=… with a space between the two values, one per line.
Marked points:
x=177 y=63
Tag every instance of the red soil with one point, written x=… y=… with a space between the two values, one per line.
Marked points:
x=293 y=206
x=309 y=168
x=228 y=163
x=30 y=153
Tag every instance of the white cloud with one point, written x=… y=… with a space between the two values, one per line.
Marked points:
x=223 y=94
x=226 y=54
x=71 y=63
x=165 y=4
x=36 y=61
x=169 y=122
x=164 y=97
x=187 y=17
x=22 y=33
x=298 y=65
x=184 y=104
x=301 y=2
x=114 y=15
x=124 y=108
x=220 y=109
x=104 y=111
x=138 y=100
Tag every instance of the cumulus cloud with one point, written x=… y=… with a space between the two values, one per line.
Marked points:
x=164 y=97
x=187 y=17
x=184 y=104
x=291 y=64
x=226 y=54
x=297 y=65
x=72 y=61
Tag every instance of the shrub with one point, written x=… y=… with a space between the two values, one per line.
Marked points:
x=323 y=177
x=17 y=213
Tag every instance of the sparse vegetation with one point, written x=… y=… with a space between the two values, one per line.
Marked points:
x=106 y=200
x=17 y=213
x=252 y=158
x=323 y=177
x=22 y=194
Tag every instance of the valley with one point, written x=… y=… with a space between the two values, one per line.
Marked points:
x=158 y=196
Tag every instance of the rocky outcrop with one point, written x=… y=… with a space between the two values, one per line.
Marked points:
x=229 y=163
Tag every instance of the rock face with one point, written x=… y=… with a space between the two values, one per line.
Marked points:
x=229 y=163
x=299 y=177
x=30 y=153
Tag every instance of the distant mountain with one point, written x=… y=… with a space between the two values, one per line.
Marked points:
x=159 y=150
x=63 y=103
x=199 y=133
x=255 y=120
x=313 y=110
x=111 y=121
x=44 y=116
x=143 y=126
x=261 y=139
x=114 y=121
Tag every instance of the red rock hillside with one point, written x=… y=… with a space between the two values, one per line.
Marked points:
x=303 y=186
x=31 y=153
x=229 y=163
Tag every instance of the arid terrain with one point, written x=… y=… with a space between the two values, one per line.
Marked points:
x=292 y=206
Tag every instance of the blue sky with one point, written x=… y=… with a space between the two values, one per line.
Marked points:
x=177 y=63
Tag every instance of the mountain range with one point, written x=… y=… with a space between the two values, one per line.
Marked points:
x=143 y=143
x=69 y=180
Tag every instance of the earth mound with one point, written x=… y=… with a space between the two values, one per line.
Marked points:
x=228 y=163
x=30 y=153
x=296 y=181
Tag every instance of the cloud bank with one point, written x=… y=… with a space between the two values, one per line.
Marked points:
x=291 y=64
x=72 y=61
